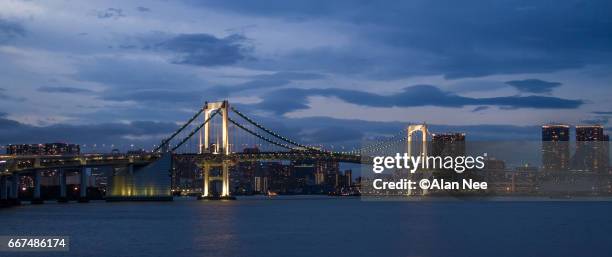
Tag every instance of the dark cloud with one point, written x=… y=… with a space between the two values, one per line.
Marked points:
x=10 y=30
x=597 y=121
x=174 y=97
x=404 y=38
x=480 y=108
x=602 y=113
x=13 y=132
x=332 y=134
x=291 y=99
x=114 y=13
x=290 y=75
x=534 y=86
x=259 y=84
x=144 y=82
x=208 y=50
x=143 y=9
x=7 y=97
x=274 y=80
x=67 y=90
x=125 y=75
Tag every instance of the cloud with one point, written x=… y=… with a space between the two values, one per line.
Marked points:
x=291 y=99
x=274 y=80
x=597 y=121
x=332 y=134
x=114 y=13
x=175 y=97
x=602 y=113
x=258 y=84
x=534 y=86
x=290 y=75
x=126 y=74
x=407 y=38
x=10 y=30
x=143 y=9
x=66 y=90
x=13 y=132
x=6 y=97
x=480 y=108
x=207 y=50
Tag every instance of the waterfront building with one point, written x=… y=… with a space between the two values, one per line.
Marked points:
x=592 y=149
x=448 y=144
x=43 y=149
x=555 y=147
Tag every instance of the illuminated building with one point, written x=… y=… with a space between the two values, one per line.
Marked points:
x=348 y=176
x=555 y=147
x=592 y=149
x=448 y=144
x=589 y=133
x=43 y=149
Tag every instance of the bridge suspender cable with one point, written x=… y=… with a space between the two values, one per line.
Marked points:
x=272 y=132
x=195 y=130
x=260 y=136
x=379 y=145
x=165 y=141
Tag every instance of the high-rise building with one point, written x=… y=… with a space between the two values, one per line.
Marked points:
x=448 y=144
x=589 y=133
x=43 y=149
x=592 y=149
x=555 y=147
x=556 y=133
x=348 y=175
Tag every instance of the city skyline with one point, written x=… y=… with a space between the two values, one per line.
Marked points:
x=127 y=73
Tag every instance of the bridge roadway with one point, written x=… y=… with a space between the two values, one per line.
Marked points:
x=271 y=156
x=27 y=163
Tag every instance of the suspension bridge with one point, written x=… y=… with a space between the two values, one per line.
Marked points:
x=216 y=137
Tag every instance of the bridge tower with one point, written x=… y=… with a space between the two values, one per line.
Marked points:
x=412 y=129
x=224 y=148
x=204 y=140
x=417 y=128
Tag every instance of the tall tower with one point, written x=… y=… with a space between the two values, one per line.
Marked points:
x=224 y=148
x=417 y=128
x=555 y=147
x=209 y=108
x=592 y=149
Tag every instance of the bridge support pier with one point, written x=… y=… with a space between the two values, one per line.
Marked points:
x=3 y=192
x=205 y=183
x=14 y=197
x=83 y=187
x=225 y=193
x=37 y=199
x=62 y=185
x=225 y=185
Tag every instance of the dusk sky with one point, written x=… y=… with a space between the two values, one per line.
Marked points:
x=122 y=72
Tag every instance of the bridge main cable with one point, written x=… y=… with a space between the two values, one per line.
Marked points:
x=260 y=136
x=165 y=141
x=195 y=130
x=380 y=145
x=274 y=134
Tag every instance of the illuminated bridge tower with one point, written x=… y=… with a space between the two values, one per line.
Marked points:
x=412 y=129
x=223 y=148
x=417 y=128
